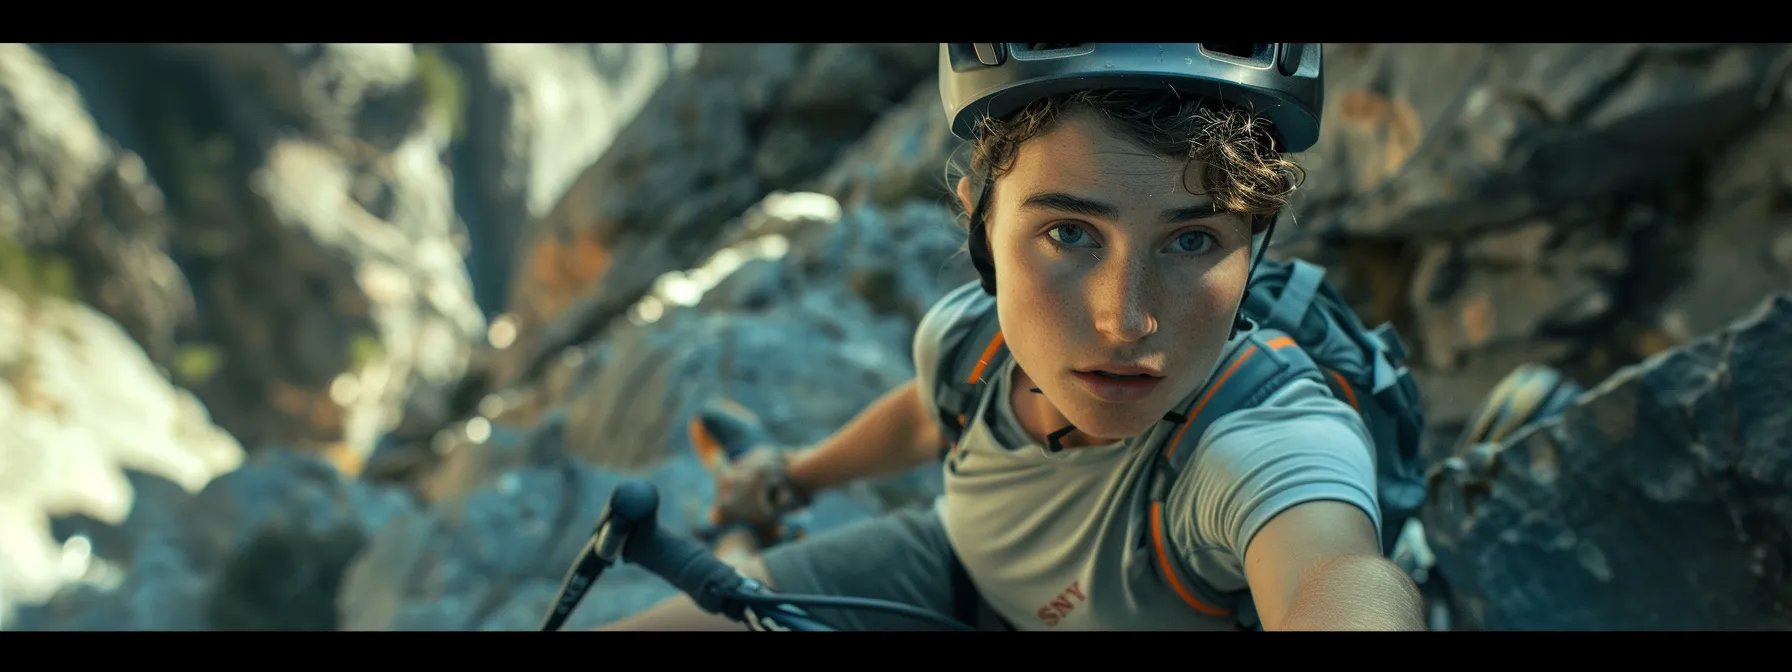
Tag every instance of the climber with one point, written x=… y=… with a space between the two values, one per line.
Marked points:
x=1130 y=439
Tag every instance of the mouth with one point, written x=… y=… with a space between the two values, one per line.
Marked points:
x=1119 y=384
x=1122 y=371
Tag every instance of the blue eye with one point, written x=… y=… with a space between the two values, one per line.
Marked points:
x=1193 y=242
x=1068 y=235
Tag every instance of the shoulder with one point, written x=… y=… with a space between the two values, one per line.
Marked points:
x=1301 y=444
x=1303 y=409
x=946 y=324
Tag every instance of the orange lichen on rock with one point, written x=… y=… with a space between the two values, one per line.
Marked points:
x=561 y=267
x=1392 y=123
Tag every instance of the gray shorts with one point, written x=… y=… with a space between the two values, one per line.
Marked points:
x=902 y=556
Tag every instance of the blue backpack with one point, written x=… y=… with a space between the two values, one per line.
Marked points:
x=1304 y=330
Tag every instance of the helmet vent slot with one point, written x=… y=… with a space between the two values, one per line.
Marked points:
x=1039 y=50
x=1255 y=53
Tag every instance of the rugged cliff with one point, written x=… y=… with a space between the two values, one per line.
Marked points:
x=385 y=322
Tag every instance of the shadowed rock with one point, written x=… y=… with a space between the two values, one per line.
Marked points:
x=1658 y=501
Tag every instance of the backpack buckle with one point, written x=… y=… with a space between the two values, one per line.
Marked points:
x=1388 y=340
x=1393 y=385
x=951 y=399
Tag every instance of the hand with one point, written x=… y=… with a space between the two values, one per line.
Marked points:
x=754 y=491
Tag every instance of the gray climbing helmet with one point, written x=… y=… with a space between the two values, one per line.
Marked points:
x=1283 y=82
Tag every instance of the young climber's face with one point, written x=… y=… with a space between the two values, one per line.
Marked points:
x=1116 y=285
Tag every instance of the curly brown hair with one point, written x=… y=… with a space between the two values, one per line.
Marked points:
x=1231 y=146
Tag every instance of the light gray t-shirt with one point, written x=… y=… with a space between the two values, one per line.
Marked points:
x=1053 y=541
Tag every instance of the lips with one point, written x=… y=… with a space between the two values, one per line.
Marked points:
x=1119 y=384
x=1122 y=371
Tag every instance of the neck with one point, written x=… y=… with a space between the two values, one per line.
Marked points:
x=1039 y=418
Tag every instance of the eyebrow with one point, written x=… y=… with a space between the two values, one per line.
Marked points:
x=1063 y=202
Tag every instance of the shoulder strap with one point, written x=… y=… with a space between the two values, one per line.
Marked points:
x=963 y=372
x=1261 y=364
x=1289 y=308
x=1264 y=362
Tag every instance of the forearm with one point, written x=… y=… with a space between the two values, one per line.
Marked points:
x=1355 y=593
x=891 y=436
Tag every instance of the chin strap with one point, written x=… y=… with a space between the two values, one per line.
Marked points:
x=1053 y=440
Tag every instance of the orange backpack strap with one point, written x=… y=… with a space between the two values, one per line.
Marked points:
x=1265 y=361
x=964 y=374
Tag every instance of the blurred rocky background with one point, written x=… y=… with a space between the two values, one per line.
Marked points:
x=360 y=336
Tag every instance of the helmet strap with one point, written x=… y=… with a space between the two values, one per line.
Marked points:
x=978 y=243
x=1239 y=321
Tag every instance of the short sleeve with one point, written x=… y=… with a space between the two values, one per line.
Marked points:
x=1301 y=445
x=945 y=325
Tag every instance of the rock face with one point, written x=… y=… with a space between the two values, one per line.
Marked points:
x=263 y=547
x=308 y=211
x=85 y=421
x=738 y=123
x=512 y=272
x=870 y=274
x=900 y=158
x=79 y=216
x=537 y=115
x=1516 y=131
x=744 y=121
x=1563 y=204
x=1659 y=501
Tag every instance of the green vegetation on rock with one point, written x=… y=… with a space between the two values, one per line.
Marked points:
x=35 y=274
x=444 y=90
x=194 y=363
x=363 y=349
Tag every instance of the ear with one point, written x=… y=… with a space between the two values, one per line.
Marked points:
x=964 y=193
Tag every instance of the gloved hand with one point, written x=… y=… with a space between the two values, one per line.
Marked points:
x=753 y=490
x=751 y=486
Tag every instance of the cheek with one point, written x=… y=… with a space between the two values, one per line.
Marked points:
x=1040 y=300
x=1212 y=294
x=1207 y=300
x=1020 y=258
x=1200 y=317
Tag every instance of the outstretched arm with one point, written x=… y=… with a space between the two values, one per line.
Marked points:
x=1282 y=502
x=900 y=431
x=892 y=436
x=1317 y=566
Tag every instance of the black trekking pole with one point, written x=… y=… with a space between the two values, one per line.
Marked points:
x=629 y=529
x=599 y=553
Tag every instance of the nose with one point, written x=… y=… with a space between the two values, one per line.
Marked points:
x=1122 y=294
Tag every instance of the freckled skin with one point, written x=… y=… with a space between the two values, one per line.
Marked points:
x=1129 y=289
